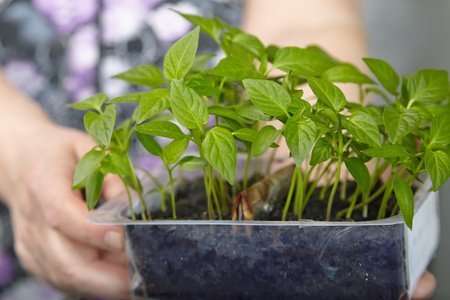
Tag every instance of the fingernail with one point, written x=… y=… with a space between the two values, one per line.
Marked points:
x=114 y=240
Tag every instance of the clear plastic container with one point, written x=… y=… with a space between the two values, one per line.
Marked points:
x=276 y=260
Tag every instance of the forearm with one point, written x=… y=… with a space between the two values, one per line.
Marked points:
x=334 y=25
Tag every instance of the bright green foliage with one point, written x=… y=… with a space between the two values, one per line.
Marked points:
x=228 y=108
x=180 y=57
x=147 y=75
x=264 y=139
x=362 y=126
x=437 y=164
x=220 y=151
x=300 y=136
x=235 y=68
x=346 y=73
x=360 y=173
x=172 y=152
x=94 y=185
x=270 y=97
x=161 y=128
x=385 y=74
x=405 y=200
x=187 y=106
x=327 y=92
x=88 y=163
x=311 y=61
x=399 y=124
x=94 y=102
x=101 y=126
x=428 y=86
x=153 y=103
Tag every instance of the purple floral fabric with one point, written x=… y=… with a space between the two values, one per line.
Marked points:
x=60 y=51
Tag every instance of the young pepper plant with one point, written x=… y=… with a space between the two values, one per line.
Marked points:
x=230 y=104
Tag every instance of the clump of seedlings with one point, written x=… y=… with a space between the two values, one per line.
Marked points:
x=231 y=108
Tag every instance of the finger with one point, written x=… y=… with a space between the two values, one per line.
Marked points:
x=96 y=278
x=112 y=186
x=117 y=258
x=425 y=288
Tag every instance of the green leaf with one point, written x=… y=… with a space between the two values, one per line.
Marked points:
x=327 y=92
x=200 y=62
x=428 y=86
x=251 y=43
x=298 y=104
x=94 y=102
x=311 y=61
x=101 y=126
x=226 y=112
x=181 y=55
x=87 y=164
x=264 y=139
x=399 y=124
x=363 y=127
x=149 y=144
x=270 y=97
x=440 y=131
x=153 y=103
x=212 y=27
x=437 y=164
x=133 y=97
x=220 y=151
x=172 y=152
x=248 y=110
x=236 y=68
x=300 y=136
x=346 y=73
x=187 y=106
x=115 y=163
x=203 y=85
x=193 y=163
x=147 y=75
x=245 y=134
x=94 y=186
x=405 y=200
x=385 y=74
x=321 y=152
x=387 y=151
x=161 y=128
x=359 y=172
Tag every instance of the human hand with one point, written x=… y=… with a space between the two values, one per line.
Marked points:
x=425 y=288
x=52 y=238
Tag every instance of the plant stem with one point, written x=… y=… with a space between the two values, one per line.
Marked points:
x=172 y=193
x=130 y=203
x=338 y=174
x=299 y=194
x=208 y=195
x=354 y=197
x=289 y=197
x=247 y=164
x=343 y=193
x=213 y=191
x=315 y=183
x=387 y=193
x=158 y=184
x=144 y=209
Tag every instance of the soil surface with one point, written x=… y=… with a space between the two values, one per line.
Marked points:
x=191 y=205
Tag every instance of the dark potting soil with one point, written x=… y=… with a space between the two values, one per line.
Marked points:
x=191 y=204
